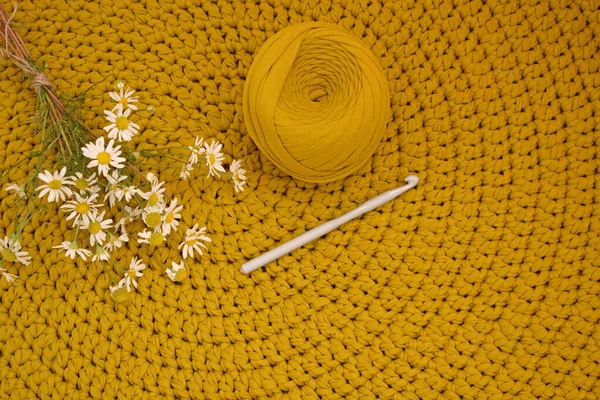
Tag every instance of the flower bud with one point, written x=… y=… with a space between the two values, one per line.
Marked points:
x=119 y=294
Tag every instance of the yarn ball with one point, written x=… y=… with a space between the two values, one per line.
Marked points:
x=316 y=102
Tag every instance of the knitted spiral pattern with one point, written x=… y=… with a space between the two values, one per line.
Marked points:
x=482 y=282
x=316 y=102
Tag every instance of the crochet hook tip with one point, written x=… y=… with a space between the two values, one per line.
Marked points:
x=246 y=268
x=412 y=180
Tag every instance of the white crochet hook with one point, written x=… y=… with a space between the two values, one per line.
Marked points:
x=328 y=226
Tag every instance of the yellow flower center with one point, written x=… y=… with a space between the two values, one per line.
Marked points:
x=191 y=242
x=180 y=275
x=9 y=255
x=55 y=184
x=122 y=122
x=153 y=199
x=95 y=227
x=82 y=208
x=170 y=217
x=81 y=184
x=212 y=158
x=124 y=101
x=120 y=295
x=156 y=238
x=114 y=187
x=104 y=158
x=153 y=219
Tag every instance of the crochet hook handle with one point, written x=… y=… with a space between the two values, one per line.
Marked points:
x=328 y=226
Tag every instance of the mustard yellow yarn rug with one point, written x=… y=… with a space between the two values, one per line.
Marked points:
x=482 y=282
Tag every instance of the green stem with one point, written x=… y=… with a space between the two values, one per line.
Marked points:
x=138 y=201
x=162 y=155
x=165 y=148
x=109 y=274
x=165 y=166
x=118 y=266
x=7 y=170
x=20 y=226
x=76 y=233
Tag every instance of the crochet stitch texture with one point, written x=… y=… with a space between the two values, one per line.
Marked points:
x=482 y=282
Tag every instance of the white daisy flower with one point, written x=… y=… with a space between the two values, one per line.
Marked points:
x=155 y=195
x=86 y=185
x=121 y=128
x=82 y=208
x=18 y=190
x=113 y=190
x=9 y=277
x=186 y=171
x=238 y=174
x=196 y=150
x=127 y=192
x=154 y=238
x=103 y=156
x=124 y=99
x=11 y=251
x=135 y=271
x=114 y=242
x=177 y=272
x=214 y=158
x=193 y=241
x=129 y=216
x=153 y=216
x=72 y=249
x=101 y=254
x=150 y=177
x=119 y=292
x=171 y=217
x=96 y=225
x=55 y=185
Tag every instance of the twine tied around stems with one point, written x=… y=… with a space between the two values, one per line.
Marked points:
x=38 y=79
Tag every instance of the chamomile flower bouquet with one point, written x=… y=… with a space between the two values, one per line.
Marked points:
x=98 y=186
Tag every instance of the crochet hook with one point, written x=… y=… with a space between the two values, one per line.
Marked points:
x=328 y=226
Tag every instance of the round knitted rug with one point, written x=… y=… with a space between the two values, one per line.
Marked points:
x=482 y=282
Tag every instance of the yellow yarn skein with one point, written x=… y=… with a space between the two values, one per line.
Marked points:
x=316 y=102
